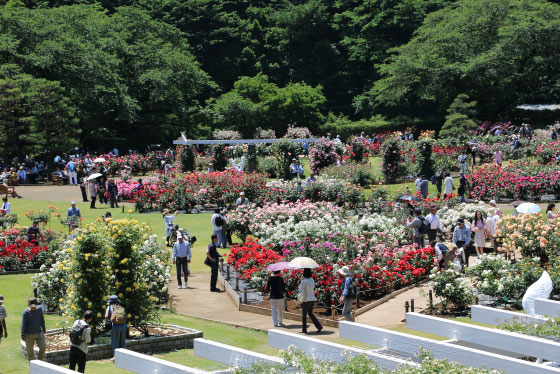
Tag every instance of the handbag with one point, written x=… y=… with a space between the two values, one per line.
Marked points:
x=207 y=262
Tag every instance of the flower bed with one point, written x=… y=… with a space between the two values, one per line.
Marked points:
x=16 y=253
x=381 y=270
x=517 y=181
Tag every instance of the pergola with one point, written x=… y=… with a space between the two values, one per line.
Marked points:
x=251 y=142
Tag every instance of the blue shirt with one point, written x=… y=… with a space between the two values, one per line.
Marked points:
x=74 y=212
x=182 y=250
x=32 y=321
x=347 y=286
x=462 y=235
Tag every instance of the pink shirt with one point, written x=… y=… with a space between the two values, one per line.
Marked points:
x=479 y=225
x=550 y=215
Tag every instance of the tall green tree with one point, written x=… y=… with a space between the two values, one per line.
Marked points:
x=500 y=53
x=36 y=118
x=459 y=122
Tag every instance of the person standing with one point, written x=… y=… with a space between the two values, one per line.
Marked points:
x=226 y=230
x=92 y=192
x=448 y=186
x=479 y=228
x=550 y=215
x=424 y=186
x=80 y=337
x=418 y=182
x=33 y=329
x=491 y=221
x=438 y=181
x=462 y=187
x=6 y=206
x=83 y=186
x=498 y=157
x=462 y=237
x=181 y=257
x=217 y=225
x=113 y=193
x=416 y=224
x=72 y=176
x=213 y=259
x=168 y=221
x=348 y=293
x=306 y=295
x=276 y=287
x=3 y=315
x=241 y=200
x=462 y=162
x=116 y=314
x=435 y=224
x=493 y=205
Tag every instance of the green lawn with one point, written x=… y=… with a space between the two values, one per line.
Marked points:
x=197 y=224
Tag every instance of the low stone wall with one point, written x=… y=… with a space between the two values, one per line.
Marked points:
x=152 y=344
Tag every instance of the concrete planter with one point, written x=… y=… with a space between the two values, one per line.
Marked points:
x=152 y=344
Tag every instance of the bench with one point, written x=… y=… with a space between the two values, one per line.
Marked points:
x=4 y=190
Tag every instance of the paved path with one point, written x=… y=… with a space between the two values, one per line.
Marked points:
x=198 y=301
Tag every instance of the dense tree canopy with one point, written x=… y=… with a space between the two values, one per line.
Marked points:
x=139 y=73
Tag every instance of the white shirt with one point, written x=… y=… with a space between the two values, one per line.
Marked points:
x=418 y=182
x=434 y=221
x=307 y=289
x=491 y=224
x=448 y=185
x=6 y=207
x=213 y=220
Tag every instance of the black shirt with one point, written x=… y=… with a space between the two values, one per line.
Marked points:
x=32 y=233
x=213 y=252
x=276 y=287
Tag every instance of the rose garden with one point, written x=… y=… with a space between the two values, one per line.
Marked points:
x=354 y=214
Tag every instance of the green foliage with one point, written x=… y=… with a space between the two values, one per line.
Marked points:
x=284 y=151
x=254 y=101
x=89 y=276
x=546 y=329
x=424 y=159
x=392 y=166
x=133 y=80
x=185 y=153
x=268 y=165
x=346 y=128
x=219 y=159
x=498 y=52
x=359 y=174
x=35 y=117
x=459 y=122
x=451 y=288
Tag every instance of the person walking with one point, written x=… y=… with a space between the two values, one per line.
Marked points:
x=479 y=227
x=416 y=224
x=498 y=157
x=418 y=182
x=435 y=224
x=92 y=184
x=33 y=329
x=83 y=186
x=348 y=293
x=306 y=296
x=212 y=260
x=116 y=314
x=462 y=162
x=3 y=315
x=438 y=181
x=168 y=221
x=113 y=193
x=276 y=287
x=181 y=257
x=6 y=206
x=462 y=187
x=217 y=225
x=448 y=186
x=491 y=221
x=80 y=337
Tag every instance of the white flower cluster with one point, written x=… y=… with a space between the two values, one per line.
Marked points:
x=449 y=216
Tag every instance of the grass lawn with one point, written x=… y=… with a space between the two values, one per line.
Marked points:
x=196 y=224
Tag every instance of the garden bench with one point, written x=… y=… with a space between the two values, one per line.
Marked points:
x=8 y=190
x=57 y=180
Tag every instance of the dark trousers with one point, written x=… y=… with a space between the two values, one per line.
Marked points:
x=307 y=310
x=84 y=194
x=114 y=202
x=214 y=276
x=181 y=264
x=92 y=205
x=419 y=240
x=77 y=357
x=229 y=241
x=432 y=235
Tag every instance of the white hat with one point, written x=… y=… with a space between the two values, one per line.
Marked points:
x=242 y=193
x=345 y=270
x=179 y=236
x=73 y=203
x=493 y=202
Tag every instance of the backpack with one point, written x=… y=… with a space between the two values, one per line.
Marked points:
x=424 y=227
x=77 y=334
x=118 y=316
x=219 y=221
